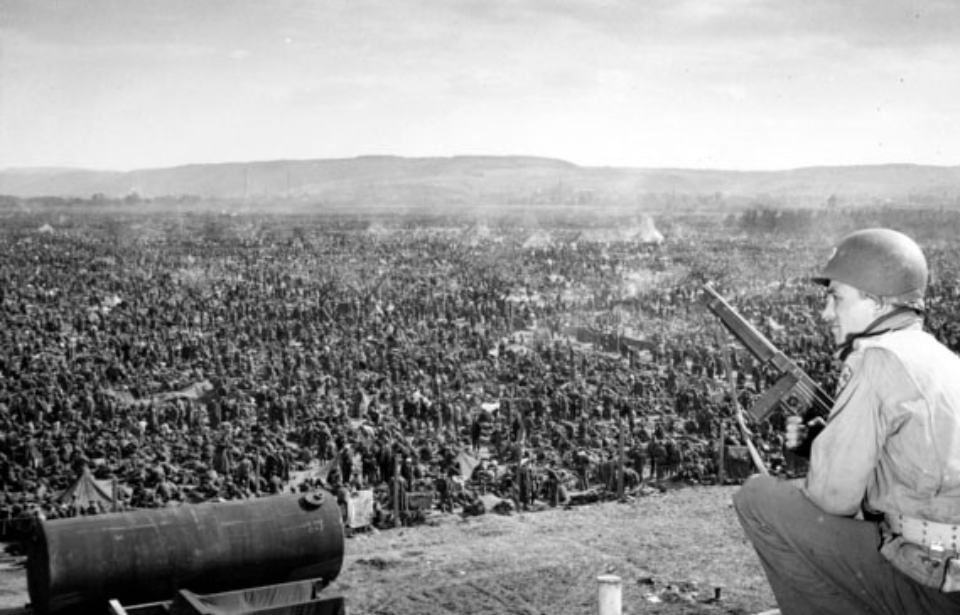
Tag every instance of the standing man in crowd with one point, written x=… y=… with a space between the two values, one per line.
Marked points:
x=875 y=526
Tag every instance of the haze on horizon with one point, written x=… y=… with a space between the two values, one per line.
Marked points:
x=724 y=84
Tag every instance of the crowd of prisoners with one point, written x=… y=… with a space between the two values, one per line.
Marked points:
x=207 y=357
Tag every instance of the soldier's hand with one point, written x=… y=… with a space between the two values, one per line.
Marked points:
x=798 y=432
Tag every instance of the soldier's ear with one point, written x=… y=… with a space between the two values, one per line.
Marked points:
x=882 y=305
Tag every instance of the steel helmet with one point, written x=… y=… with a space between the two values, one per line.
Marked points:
x=880 y=262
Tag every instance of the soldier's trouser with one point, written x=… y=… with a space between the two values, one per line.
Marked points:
x=821 y=563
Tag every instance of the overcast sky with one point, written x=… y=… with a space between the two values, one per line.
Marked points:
x=727 y=84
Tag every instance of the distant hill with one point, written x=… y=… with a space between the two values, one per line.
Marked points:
x=482 y=179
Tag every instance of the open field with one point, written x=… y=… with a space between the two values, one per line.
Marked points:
x=342 y=313
x=671 y=551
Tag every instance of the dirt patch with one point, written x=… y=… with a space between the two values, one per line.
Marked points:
x=672 y=551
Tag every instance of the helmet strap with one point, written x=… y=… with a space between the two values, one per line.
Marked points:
x=874 y=329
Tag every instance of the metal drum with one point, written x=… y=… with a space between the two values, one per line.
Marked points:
x=145 y=556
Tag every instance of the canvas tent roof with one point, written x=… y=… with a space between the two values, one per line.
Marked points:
x=197 y=390
x=87 y=490
x=467 y=463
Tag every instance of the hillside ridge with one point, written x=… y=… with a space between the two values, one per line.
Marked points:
x=484 y=179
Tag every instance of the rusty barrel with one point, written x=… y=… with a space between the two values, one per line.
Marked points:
x=78 y=564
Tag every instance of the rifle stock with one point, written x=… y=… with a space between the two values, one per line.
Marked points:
x=795 y=392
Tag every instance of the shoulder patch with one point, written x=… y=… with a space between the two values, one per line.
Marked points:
x=846 y=372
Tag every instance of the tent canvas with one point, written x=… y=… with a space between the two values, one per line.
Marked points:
x=195 y=391
x=87 y=490
x=467 y=463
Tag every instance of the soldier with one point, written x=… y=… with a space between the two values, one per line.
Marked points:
x=874 y=527
x=525 y=483
x=443 y=485
x=476 y=432
x=581 y=462
x=673 y=456
x=556 y=492
x=657 y=453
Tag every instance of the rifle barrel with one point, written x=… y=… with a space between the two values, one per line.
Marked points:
x=756 y=342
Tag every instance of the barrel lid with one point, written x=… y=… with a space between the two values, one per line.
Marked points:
x=314 y=499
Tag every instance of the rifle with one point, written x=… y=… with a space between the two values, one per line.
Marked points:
x=737 y=412
x=795 y=392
